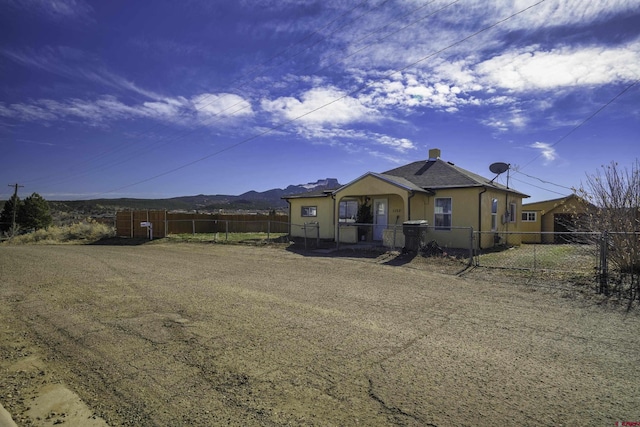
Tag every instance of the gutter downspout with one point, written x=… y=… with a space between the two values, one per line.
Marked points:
x=336 y=225
x=289 y=210
x=411 y=194
x=480 y=216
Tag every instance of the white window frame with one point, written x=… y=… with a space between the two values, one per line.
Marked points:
x=494 y=214
x=529 y=215
x=347 y=218
x=444 y=214
x=512 y=212
x=309 y=211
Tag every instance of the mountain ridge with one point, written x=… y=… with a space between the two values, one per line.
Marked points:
x=250 y=200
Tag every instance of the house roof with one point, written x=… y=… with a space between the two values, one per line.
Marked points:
x=438 y=174
x=309 y=194
x=424 y=176
x=394 y=180
x=557 y=201
x=550 y=205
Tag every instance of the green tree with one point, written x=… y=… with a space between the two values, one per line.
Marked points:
x=7 y=214
x=34 y=213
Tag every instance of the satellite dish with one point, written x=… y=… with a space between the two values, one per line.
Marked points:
x=499 y=167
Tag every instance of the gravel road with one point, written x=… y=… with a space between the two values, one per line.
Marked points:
x=187 y=334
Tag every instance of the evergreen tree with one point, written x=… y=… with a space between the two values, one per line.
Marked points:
x=34 y=213
x=6 y=216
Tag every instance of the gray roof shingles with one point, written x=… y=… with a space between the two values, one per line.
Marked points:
x=438 y=174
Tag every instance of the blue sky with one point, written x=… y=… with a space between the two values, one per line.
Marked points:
x=170 y=98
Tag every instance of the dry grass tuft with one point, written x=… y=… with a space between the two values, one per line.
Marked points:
x=87 y=231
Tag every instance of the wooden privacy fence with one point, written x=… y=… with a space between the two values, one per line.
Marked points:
x=128 y=223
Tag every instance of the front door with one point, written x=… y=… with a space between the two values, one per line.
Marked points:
x=380 y=217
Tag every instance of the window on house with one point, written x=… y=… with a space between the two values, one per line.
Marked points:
x=494 y=214
x=442 y=217
x=348 y=211
x=529 y=216
x=309 y=211
x=512 y=213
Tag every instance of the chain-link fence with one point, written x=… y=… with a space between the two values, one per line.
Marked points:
x=608 y=263
x=413 y=237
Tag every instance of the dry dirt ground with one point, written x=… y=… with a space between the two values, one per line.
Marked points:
x=186 y=334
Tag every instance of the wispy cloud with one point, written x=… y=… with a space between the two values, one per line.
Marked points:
x=355 y=140
x=74 y=64
x=56 y=10
x=197 y=111
x=546 y=151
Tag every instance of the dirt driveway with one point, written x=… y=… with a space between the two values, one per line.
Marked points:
x=178 y=334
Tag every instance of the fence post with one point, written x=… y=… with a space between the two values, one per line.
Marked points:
x=304 y=227
x=226 y=230
x=131 y=212
x=268 y=229
x=603 y=279
x=476 y=251
x=470 y=246
x=193 y=227
x=166 y=225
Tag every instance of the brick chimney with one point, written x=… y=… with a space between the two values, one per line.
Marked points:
x=434 y=154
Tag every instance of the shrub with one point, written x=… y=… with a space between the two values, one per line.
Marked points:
x=81 y=232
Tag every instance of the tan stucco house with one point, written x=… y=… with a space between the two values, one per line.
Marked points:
x=450 y=199
x=546 y=220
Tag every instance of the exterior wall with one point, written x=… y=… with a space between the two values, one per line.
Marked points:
x=547 y=209
x=367 y=186
x=464 y=213
x=488 y=236
x=325 y=211
x=531 y=227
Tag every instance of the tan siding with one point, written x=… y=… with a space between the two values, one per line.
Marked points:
x=324 y=218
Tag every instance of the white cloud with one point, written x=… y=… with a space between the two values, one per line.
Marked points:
x=322 y=105
x=106 y=109
x=546 y=151
x=410 y=90
x=532 y=69
x=398 y=144
x=221 y=106
x=353 y=139
x=574 y=12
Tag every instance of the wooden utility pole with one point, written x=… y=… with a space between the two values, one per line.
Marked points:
x=15 y=206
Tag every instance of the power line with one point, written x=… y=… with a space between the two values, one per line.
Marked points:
x=213 y=119
x=599 y=110
x=287 y=122
x=542 y=180
x=218 y=116
x=245 y=76
x=537 y=186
